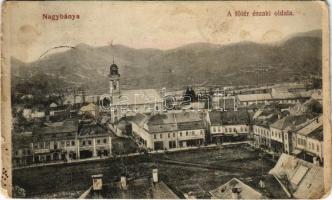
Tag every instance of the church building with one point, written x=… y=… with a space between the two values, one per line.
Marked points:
x=130 y=102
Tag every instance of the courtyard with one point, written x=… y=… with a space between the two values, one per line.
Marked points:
x=197 y=171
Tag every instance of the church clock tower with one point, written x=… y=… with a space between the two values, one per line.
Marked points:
x=114 y=77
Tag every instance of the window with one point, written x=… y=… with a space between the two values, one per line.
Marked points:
x=83 y=143
x=155 y=136
x=169 y=135
x=317 y=147
x=241 y=129
x=186 y=133
x=89 y=142
x=67 y=143
x=181 y=134
x=105 y=141
x=201 y=132
x=173 y=134
x=73 y=143
x=98 y=141
x=62 y=143
x=161 y=135
x=218 y=129
x=193 y=132
x=172 y=144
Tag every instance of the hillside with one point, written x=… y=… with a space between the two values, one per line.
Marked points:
x=193 y=64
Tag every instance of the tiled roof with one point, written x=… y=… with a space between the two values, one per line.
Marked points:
x=92 y=129
x=229 y=117
x=57 y=127
x=56 y=131
x=312 y=126
x=191 y=125
x=317 y=134
x=169 y=122
x=291 y=121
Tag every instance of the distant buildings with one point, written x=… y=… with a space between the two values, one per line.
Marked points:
x=130 y=102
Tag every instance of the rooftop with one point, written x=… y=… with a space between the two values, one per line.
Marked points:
x=168 y=122
x=292 y=121
x=59 y=130
x=235 y=189
x=92 y=129
x=229 y=117
x=305 y=179
x=312 y=126
x=142 y=188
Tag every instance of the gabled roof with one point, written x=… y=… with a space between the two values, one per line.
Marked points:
x=317 y=134
x=312 y=126
x=305 y=179
x=242 y=190
x=291 y=121
x=92 y=129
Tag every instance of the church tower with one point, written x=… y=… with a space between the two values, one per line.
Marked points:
x=114 y=77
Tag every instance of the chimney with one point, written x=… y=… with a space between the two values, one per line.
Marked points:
x=261 y=184
x=155 y=175
x=123 y=182
x=235 y=193
x=97 y=182
x=279 y=116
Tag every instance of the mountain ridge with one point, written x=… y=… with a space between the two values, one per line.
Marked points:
x=237 y=63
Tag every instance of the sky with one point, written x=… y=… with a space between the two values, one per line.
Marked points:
x=162 y=25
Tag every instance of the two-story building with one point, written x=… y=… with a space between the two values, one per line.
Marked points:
x=281 y=131
x=309 y=140
x=55 y=141
x=261 y=126
x=170 y=130
x=94 y=140
x=22 y=149
x=228 y=126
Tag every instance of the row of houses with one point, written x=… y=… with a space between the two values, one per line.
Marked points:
x=296 y=133
x=289 y=132
x=66 y=140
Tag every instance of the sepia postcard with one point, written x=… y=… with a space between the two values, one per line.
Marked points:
x=165 y=100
